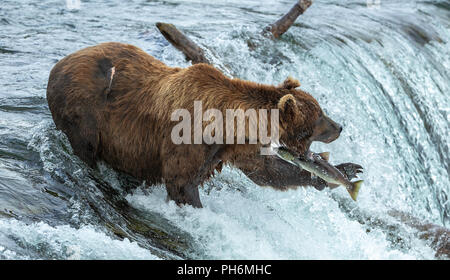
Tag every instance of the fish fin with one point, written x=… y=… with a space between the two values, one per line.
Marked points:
x=325 y=155
x=356 y=186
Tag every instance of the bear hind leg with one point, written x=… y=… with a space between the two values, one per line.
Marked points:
x=83 y=136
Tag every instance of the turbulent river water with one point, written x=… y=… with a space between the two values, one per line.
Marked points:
x=380 y=70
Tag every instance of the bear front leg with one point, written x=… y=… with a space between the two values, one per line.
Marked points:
x=185 y=194
x=279 y=174
x=275 y=172
x=187 y=168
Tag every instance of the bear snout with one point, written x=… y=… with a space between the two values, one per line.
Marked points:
x=326 y=130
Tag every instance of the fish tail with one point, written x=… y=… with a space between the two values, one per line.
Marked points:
x=355 y=190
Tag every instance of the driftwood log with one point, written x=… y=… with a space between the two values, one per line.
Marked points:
x=180 y=41
x=282 y=25
x=438 y=236
x=196 y=55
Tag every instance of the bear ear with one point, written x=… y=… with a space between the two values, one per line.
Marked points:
x=290 y=83
x=287 y=104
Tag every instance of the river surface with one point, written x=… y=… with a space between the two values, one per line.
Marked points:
x=382 y=71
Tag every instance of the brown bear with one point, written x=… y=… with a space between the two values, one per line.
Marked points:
x=114 y=102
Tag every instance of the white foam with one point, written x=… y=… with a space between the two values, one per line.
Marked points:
x=261 y=223
x=40 y=240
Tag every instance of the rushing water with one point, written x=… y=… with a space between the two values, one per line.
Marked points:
x=382 y=71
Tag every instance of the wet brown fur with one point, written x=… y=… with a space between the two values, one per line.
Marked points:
x=126 y=122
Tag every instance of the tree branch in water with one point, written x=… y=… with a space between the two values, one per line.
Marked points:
x=282 y=25
x=180 y=41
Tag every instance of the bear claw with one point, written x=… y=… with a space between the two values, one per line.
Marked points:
x=350 y=170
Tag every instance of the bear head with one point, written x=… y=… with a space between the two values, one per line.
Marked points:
x=302 y=120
